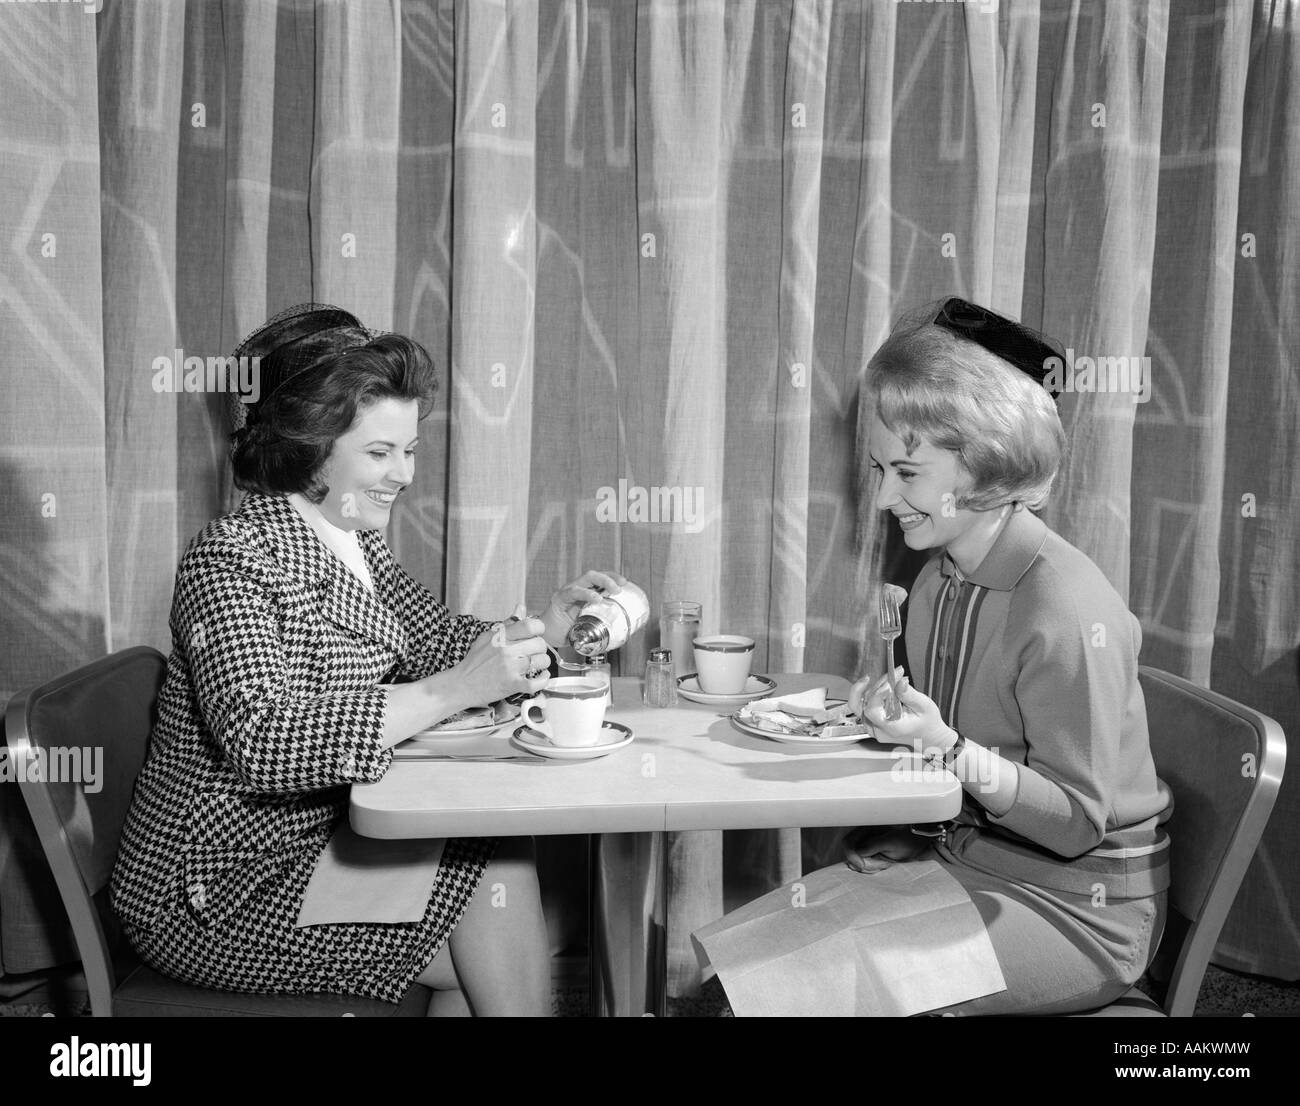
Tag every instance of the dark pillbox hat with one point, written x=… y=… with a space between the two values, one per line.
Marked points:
x=1026 y=349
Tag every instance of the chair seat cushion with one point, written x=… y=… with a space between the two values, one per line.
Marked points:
x=146 y=993
x=1132 y=1004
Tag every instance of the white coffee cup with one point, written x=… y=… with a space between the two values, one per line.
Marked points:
x=722 y=663
x=570 y=711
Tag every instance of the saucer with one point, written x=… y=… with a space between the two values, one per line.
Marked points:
x=756 y=687
x=613 y=735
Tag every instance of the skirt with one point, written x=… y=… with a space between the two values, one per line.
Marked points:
x=1060 y=953
x=260 y=949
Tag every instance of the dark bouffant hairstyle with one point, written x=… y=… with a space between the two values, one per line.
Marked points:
x=291 y=430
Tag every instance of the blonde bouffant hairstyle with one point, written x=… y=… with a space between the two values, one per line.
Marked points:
x=925 y=382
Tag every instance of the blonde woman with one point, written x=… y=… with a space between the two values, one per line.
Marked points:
x=1023 y=675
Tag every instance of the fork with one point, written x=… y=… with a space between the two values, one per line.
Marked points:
x=891 y=625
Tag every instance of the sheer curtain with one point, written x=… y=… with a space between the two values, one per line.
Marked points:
x=651 y=246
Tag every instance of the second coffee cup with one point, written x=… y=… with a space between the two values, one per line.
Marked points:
x=722 y=663
x=569 y=711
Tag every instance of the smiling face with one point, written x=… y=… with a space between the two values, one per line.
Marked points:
x=370 y=464
x=921 y=490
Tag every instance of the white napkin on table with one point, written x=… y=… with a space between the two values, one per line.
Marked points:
x=812 y=699
x=773 y=711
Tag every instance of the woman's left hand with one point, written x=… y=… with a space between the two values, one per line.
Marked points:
x=569 y=600
x=920 y=725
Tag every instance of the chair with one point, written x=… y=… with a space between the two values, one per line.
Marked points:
x=111 y=704
x=1223 y=762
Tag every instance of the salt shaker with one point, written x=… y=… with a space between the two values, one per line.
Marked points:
x=660 y=685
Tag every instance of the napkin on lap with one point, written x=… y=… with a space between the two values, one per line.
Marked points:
x=840 y=943
x=361 y=879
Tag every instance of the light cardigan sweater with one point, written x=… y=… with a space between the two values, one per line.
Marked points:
x=1035 y=655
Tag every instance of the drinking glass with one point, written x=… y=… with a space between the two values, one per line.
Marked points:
x=597 y=670
x=679 y=626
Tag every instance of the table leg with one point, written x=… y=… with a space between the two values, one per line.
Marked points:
x=627 y=931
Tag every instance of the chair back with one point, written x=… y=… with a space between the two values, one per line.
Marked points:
x=76 y=745
x=1223 y=762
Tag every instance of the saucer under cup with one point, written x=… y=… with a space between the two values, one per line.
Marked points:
x=570 y=711
x=722 y=663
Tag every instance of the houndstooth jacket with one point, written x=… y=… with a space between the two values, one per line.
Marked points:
x=270 y=708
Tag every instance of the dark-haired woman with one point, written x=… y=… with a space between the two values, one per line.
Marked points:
x=301 y=653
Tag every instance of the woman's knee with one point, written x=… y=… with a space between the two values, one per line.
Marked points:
x=513 y=864
x=440 y=974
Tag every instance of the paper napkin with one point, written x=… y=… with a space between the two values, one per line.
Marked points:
x=361 y=879
x=840 y=943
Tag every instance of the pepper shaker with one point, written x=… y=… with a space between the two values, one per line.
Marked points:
x=660 y=686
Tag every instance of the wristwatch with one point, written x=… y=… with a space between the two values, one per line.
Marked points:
x=947 y=759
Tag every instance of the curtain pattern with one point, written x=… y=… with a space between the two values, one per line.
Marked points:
x=650 y=247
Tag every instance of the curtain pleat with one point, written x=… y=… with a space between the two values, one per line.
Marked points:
x=1017 y=84
x=210 y=64
x=55 y=545
x=354 y=169
x=421 y=276
x=251 y=32
x=686 y=85
x=1105 y=64
x=494 y=284
x=1258 y=627
x=138 y=160
x=55 y=574
x=1176 y=535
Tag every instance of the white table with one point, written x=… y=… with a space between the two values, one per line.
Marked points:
x=688 y=768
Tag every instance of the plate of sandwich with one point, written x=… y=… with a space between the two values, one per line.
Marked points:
x=809 y=718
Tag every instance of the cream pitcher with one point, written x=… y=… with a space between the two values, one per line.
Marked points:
x=608 y=622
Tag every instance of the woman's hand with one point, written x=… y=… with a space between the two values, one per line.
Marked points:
x=866 y=690
x=498 y=663
x=875 y=848
x=565 y=604
x=920 y=724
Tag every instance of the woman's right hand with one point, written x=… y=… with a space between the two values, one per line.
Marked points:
x=875 y=848
x=865 y=691
x=498 y=663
